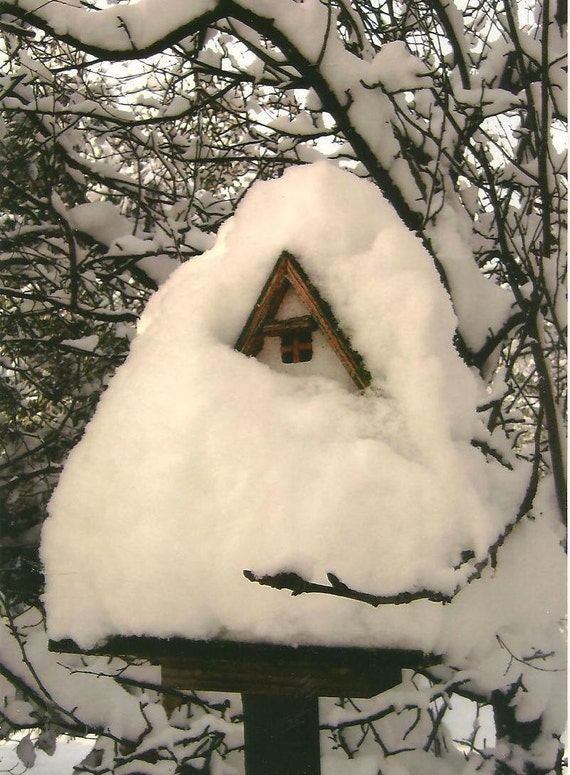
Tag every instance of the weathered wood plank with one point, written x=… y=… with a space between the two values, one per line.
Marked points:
x=264 y=668
x=299 y=323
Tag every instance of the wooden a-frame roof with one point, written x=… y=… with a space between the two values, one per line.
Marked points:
x=289 y=274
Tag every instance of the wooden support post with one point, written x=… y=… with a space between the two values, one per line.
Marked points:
x=281 y=735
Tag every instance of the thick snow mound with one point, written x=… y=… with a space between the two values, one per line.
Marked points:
x=201 y=462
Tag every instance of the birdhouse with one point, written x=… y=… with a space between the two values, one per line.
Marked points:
x=292 y=408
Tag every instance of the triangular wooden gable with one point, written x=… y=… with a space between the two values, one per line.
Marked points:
x=288 y=274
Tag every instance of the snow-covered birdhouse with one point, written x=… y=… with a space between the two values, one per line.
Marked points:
x=292 y=404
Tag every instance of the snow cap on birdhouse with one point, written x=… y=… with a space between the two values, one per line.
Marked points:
x=292 y=403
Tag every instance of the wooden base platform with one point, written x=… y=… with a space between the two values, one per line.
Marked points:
x=280 y=686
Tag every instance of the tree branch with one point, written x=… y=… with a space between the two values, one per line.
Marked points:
x=298 y=586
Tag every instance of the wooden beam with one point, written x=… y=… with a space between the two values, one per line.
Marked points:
x=299 y=323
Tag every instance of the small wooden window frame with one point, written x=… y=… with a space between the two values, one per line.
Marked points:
x=296 y=336
x=297 y=347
